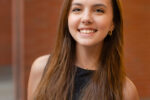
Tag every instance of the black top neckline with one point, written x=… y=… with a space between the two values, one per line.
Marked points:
x=82 y=69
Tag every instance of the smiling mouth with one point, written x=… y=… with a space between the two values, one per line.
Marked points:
x=87 y=31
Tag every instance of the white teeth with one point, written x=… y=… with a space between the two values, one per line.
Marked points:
x=87 y=31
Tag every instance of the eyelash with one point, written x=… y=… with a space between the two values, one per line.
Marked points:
x=76 y=10
x=99 y=10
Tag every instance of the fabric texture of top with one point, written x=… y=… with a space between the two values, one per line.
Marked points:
x=82 y=77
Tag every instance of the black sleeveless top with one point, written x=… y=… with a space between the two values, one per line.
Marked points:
x=82 y=77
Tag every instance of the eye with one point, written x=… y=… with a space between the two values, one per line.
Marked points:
x=76 y=10
x=99 y=10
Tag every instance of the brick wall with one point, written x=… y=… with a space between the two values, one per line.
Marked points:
x=5 y=32
x=137 y=43
x=40 y=27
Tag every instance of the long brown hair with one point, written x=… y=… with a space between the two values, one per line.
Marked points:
x=106 y=82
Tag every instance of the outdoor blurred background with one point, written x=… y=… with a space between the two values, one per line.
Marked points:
x=28 y=30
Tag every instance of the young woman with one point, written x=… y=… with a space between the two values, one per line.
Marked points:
x=87 y=61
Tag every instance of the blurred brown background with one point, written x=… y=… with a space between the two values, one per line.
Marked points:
x=28 y=30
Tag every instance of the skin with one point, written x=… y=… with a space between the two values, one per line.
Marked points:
x=36 y=73
x=84 y=14
x=93 y=15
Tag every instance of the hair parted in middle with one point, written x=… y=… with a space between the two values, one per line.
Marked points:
x=107 y=81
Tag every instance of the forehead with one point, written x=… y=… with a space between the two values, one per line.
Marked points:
x=91 y=2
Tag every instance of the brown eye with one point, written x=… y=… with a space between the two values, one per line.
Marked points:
x=76 y=10
x=99 y=10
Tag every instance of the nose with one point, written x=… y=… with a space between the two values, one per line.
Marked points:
x=87 y=18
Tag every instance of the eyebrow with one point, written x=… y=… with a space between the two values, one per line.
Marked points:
x=79 y=4
x=95 y=5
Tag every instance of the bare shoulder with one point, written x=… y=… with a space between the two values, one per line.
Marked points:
x=38 y=66
x=129 y=90
x=39 y=63
x=36 y=73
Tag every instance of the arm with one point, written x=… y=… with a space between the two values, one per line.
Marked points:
x=130 y=91
x=36 y=73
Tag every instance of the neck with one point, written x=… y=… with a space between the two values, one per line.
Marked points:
x=87 y=57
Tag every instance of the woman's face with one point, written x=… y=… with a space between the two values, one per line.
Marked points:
x=89 y=21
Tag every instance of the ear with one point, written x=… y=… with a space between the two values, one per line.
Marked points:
x=112 y=27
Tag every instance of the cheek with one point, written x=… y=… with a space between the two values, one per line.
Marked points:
x=72 y=22
x=104 y=24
